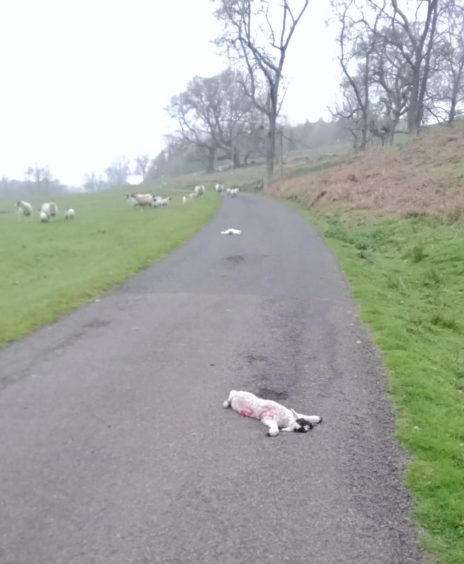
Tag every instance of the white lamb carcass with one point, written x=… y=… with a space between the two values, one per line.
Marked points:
x=274 y=415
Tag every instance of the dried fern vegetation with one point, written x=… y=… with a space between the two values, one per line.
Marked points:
x=425 y=176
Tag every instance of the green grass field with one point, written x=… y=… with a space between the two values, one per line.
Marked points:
x=408 y=276
x=49 y=269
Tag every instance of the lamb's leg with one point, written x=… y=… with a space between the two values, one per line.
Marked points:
x=314 y=419
x=272 y=426
x=226 y=403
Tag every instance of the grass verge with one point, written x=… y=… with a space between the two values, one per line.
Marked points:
x=408 y=276
x=49 y=269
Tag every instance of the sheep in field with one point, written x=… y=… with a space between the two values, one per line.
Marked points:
x=199 y=190
x=140 y=200
x=44 y=218
x=233 y=192
x=48 y=208
x=69 y=213
x=24 y=208
x=159 y=202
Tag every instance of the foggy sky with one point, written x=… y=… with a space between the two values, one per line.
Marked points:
x=86 y=81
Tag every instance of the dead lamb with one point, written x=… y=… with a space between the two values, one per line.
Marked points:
x=274 y=415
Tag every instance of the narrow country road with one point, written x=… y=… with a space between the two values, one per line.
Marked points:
x=115 y=447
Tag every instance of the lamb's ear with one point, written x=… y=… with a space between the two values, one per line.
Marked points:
x=295 y=414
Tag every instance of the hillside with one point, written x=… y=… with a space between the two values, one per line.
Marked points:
x=424 y=176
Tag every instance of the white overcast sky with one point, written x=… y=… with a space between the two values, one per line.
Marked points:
x=85 y=81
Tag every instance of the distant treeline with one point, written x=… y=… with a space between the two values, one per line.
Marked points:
x=184 y=158
x=27 y=188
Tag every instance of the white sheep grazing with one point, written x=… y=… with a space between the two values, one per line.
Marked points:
x=159 y=202
x=140 y=200
x=199 y=190
x=219 y=187
x=274 y=415
x=69 y=213
x=24 y=208
x=233 y=192
x=49 y=208
x=185 y=200
x=44 y=217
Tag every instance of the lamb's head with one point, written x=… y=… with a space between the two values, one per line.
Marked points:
x=301 y=425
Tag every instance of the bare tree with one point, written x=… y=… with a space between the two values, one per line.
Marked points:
x=38 y=174
x=257 y=36
x=215 y=115
x=142 y=163
x=392 y=81
x=118 y=171
x=199 y=111
x=358 y=44
x=446 y=91
x=40 y=180
x=413 y=35
x=393 y=47
x=349 y=115
x=92 y=183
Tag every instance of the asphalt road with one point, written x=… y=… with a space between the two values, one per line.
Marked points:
x=115 y=447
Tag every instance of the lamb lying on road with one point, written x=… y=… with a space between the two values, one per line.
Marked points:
x=274 y=415
x=231 y=231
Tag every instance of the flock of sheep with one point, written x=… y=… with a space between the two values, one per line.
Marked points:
x=47 y=211
x=138 y=200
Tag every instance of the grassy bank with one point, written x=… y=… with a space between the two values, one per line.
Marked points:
x=49 y=269
x=408 y=275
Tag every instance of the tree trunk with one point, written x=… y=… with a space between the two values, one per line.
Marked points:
x=236 y=158
x=270 y=151
x=211 y=159
x=391 y=133
x=413 y=110
x=364 y=130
